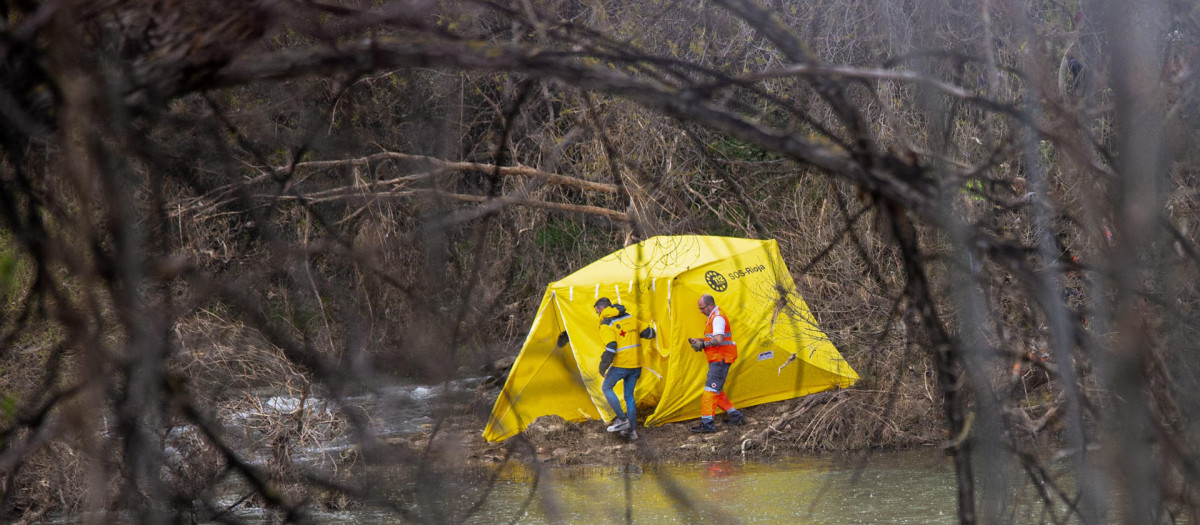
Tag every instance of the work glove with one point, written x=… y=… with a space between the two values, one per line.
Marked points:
x=563 y=339
x=697 y=344
x=605 y=361
x=648 y=333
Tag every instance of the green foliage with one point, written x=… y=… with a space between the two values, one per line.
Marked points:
x=11 y=267
x=8 y=274
x=1046 y=151
x=8 y=408
x=725 y=229
x=558 y=236
x=301 y=316
x=734 y=149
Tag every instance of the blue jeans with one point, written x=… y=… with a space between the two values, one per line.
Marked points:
x=630 y=376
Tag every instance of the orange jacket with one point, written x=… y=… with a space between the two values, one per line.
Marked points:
x=726 y=352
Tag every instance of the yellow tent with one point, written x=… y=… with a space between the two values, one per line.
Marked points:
x=782 y=354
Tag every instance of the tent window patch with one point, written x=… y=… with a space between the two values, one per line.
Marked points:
x=763 y=356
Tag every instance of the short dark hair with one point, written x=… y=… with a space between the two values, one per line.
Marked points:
x=602 y=302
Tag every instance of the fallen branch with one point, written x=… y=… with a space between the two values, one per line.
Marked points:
x=492 y=202
x=33 y=517
x=224 y=194
x=807 y=403
x=507 y=171
x=1023 y=421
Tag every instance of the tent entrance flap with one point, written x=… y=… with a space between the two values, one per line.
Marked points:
x=544 y=380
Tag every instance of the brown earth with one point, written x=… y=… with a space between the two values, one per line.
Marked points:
x=825 y=421
x=550 y=439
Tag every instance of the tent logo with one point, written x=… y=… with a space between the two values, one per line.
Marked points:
x=716 y=281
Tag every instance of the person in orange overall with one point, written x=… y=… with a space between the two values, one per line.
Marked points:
x=721 y=352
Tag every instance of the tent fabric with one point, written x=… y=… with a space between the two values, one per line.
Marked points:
x=782 y=353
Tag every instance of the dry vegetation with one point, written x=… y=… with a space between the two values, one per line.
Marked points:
x=990 y=207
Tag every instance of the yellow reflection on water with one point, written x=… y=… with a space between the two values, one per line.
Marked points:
x=894 y=488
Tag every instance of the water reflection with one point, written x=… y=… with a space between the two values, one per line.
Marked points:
x=888 y=487
x=892 y=487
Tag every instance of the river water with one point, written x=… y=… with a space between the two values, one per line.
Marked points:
x=895 y=487
x=888 y=487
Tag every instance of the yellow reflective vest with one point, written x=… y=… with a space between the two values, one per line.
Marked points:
x=619 y=326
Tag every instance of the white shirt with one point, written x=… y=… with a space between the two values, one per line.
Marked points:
x=719 y=322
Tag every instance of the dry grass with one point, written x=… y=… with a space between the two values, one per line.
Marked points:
x=205 y=214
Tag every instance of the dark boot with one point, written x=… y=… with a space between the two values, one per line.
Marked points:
x=736 y=419
x=705 y=427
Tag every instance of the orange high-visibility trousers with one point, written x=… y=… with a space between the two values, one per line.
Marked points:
x=708 y=399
